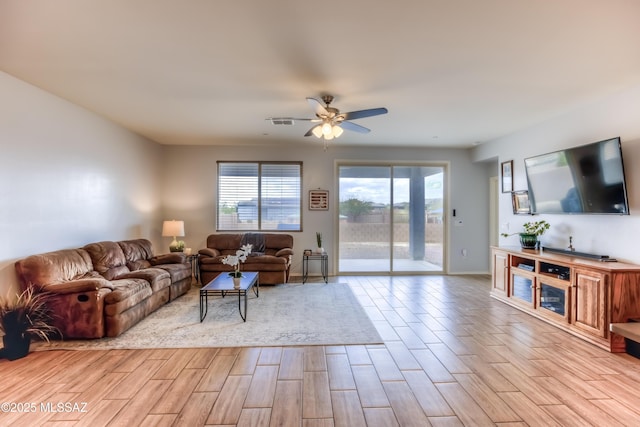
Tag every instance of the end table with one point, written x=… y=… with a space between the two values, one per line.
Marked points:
x=194 y=259
x=324 y=265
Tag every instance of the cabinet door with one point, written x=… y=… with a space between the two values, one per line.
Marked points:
x=500 y=272
x=589 y=300
x=522 y=288
x=553 y=298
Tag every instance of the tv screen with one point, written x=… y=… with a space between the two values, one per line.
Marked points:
x=583 y=180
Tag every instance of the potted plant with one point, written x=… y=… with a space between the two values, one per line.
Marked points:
x=532 y=230
x=235 y=261
x=320 y=249
x=21 y=319
x=178 y=247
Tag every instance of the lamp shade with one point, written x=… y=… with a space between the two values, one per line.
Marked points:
x=173 y=228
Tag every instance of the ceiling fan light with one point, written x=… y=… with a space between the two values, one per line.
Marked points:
x=328 y=137
x=326 y=129
x=317 y=131
x=337 y=131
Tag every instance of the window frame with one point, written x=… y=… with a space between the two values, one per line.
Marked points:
x=259 y=222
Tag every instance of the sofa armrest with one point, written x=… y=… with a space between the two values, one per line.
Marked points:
x=209 y=252
x=172 y=258
x=284 y=252
x=77 y=286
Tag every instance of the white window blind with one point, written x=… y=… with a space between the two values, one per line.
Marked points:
x=259 y=196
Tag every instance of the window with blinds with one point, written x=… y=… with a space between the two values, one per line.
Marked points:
x=259 y=196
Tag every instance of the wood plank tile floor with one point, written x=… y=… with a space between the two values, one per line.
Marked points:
x=451 y=356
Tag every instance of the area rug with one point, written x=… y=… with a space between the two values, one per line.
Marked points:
x=283 y=315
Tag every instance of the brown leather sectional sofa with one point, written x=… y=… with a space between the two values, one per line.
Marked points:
x=270 y=257
x=104 y=288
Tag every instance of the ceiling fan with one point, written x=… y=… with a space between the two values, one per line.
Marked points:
x=331 y=122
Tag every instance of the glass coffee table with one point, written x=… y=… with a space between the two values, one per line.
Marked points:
x=223 y=285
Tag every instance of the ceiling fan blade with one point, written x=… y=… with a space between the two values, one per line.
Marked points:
x=364 y=113
x=317 y=107
x=310 y=131
x=354 y=127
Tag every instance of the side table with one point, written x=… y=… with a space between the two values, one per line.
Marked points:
x=324 y=266
x=195 y=267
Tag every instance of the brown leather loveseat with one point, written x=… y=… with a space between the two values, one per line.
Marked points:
x=104 y=288
x=270 y=257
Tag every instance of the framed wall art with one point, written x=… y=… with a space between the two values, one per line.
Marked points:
x=520 y=200
x=507 y=176
x=319 y=200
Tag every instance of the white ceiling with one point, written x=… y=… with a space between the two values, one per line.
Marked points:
x=451 y=73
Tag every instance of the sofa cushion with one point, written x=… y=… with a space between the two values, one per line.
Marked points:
x=108 y=259
x=54 y=267
x=126 y=293
x=277 y=241
x=140 y=264
x=266 y=260
x=157 y=277
x=265 y=263
x=137 y=252
x=174 y=258
x=225 y=242
x=176 y=271
x=256 y=240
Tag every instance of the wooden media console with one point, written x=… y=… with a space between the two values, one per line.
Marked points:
x=581 y=296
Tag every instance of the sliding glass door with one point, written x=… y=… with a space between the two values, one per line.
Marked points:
x=391 y=218
x=365 y=226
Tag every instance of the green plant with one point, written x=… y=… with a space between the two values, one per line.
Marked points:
x=319 y=239
x=27 y=316
x=536 y=228
x=178 y=247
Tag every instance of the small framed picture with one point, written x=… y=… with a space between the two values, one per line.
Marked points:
x=520 y=200
x=307 y=252
x=507 y=176
x=319 y=200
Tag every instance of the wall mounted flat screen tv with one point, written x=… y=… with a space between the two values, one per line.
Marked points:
x=582 y=180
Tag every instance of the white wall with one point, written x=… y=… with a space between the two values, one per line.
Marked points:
x=618 y=115
x=190 y=186
x=69 y=177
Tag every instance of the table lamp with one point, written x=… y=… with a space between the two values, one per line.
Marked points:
x=174 y=229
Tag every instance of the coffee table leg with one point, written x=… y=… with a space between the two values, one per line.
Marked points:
x=240 y=293
x=204 y=298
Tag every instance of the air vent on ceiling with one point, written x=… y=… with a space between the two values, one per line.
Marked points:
x=285 y=121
